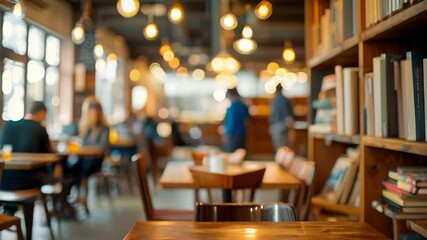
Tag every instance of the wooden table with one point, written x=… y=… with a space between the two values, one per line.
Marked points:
x=419 y=226
x=252 y=230
x=178 y=175
x=87 y=151
x=30 y=161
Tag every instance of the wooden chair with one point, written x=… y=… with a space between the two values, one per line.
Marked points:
x=151 y=213
x=304 y=170
x=7 y=222
x=25 y=198
x=159 y=151
x=243 y=212
x=236 y=178
x=284 y=157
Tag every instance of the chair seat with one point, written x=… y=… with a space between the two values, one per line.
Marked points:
x=7 y=221
x=19 y=195
x=173 y=214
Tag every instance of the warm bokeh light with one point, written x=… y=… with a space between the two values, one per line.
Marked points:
x=174 y=63
x=289 y=55
x=231 y=64
x=182 y=70
x=219 y=95
x=264 y=74
x=194 y=59
x=164 y=129
x=127 y=8
x=302 y=77
x=227 y=80
x=19 y=10
x=272 y=67
x=263 y=10
x=134 y=74
x=228 y=21
x=100 y=64
x=245 y=46
x=198 y=74
x=247 y=32
x=270 y=87
x=151 y=31
x=163 y=113
x=168 y=56
x=98 y=51
x=165 y=48
x=281 y=72
x=78 y=34
x=176 y=13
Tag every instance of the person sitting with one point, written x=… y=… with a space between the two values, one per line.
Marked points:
x=26 y=135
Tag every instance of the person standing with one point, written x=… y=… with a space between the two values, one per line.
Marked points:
x=281 y=118
x=235 y=122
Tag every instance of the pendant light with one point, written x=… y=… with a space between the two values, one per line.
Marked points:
x=263 y=10
x=228 y=21
x=19 y=9
x=98 y=51
x=128 y=8
x=289 y=52
x=151 y=31
x=78 y=32
x=176 y=13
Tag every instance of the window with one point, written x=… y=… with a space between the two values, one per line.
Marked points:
x=36 y=79
x=13 y=90
x=14 y=34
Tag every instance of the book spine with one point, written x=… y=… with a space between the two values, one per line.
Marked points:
x=425 y=93
x=406 y=187
x=393 y=188
x=377 y=97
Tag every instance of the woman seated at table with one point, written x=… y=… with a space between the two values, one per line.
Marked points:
x=94 y=132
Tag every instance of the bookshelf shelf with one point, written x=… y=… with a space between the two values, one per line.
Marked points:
x=403 y=22
x=355 y=140
x=344 y=209
x=419 y=148
x=401 y=216
x=337 y=55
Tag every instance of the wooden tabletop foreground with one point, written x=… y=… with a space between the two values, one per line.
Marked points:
x=252 y=230
x=28 y=161
x=178 y=175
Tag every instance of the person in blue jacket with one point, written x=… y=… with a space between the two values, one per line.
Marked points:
x=235 y=122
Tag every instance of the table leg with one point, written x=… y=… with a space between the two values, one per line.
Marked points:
x=226 y=195
x=28 y=215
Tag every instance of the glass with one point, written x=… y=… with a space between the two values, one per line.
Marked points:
x=36 y=43
x=13 y=90
x=14 y=33
x=53 y=51
x=7 y=152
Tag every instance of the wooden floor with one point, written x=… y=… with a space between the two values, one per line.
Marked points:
x=112 y=217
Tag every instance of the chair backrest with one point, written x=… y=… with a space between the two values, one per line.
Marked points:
x=284 y=156
x=304 y=170
x=253 y=212
x=140 y=161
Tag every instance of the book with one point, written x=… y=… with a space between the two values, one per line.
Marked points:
x=425 y=92
x=415 y=179
x=411 y=169
x=416 y=63
x=354 y=198
x=404 y=201
x=369 y=103
x=397 y=208
x=407 y=86
x=339 y=99
x=351 y=100
x=388 y=96
x=376 y=62
x=398 y=88
x=393 y=188
x=341 y=177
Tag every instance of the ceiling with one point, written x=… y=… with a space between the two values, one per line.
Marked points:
x=200 y=31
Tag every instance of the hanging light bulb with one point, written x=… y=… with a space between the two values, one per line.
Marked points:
x=98 y=51
x=228 y=21
x=78 y=33
x=245 y=45
x=128 y=8
x=288 y=53
x=223 y=62
x=151 y=31
x=176 y=13
x=263 y=10
x=19 y=9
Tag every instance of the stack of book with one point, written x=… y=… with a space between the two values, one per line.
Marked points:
x=324 y=105
x=376 y=10
x=338 y=23
x=395 y=101
x=405 y=191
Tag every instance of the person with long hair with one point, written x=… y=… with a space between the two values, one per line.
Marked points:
x=93 y=131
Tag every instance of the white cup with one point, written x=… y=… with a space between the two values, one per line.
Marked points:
x=217 y=163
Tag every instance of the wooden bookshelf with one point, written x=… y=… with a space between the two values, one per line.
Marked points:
x=345 y=209
x=403 y=30
x=419 y=148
